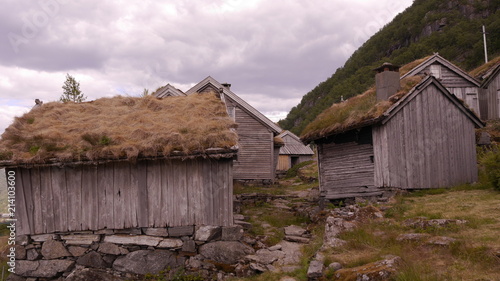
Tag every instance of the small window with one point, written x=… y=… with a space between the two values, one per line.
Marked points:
x=436 y=71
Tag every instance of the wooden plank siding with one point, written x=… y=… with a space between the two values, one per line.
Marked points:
x=490 y=99
x=121 y=195
x=255 y=149
x=346 y=170
x=429 y=143
x=457 y=85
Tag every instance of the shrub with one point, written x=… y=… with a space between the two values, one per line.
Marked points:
x=292 y=172
x=490 y=166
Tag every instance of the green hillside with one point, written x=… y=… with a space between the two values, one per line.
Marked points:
x=452 y=28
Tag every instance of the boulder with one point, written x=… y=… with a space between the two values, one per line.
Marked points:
x=93 y=260
x=264 y=256
x=42 y=268
x=82 y=239
x=85 y=274
x=112 y=249
x=179 y=231
x=315 y=269
x=412 y=237
x=335 y=266
x=232 y=233
x=375 y=271
x=20 y=252
x=77 y=251
x=291 y=253
x=294 y=230
x=33 y=254
x=52 y=249
x=147 y=261
x=298 y=239
x=143 y=240
x=170 y=243
x=228 y=252
x=155 y=231
x=207 y=233
x=441 y=240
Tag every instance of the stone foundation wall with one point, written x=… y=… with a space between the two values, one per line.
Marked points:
x=119 y=253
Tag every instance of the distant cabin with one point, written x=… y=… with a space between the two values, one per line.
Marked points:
x=454 y=79
x=257 y=148
x=412 y=134
x=490 y=91
x=293 y=151
x=121 y=163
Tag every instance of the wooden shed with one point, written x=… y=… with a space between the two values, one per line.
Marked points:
x=257 y=147
x=454 y=79
x=121 y=163
x=413 y=135
x=490 y=90
x=293 y=151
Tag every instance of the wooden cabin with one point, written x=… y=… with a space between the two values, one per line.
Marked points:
x=490 y=91
x=293 y=151
x=454 y=79
x=121 y=163
x=404 y=134
x=258 y=149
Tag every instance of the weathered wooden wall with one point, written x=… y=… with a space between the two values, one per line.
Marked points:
x=255 y=148
x=121 y=195
x=490 y=99
x=430 y=143
x=346 y=170
x=458 y=86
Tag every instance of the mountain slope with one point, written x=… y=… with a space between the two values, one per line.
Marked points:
x=452 y=28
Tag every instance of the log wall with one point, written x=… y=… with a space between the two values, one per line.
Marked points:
x=121 y=195
x=346 y=170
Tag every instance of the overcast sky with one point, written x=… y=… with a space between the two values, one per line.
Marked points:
x=272 y=52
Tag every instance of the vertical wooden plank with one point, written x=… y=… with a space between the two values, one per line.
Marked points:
x=47 y=200
x=119 y=180
x=134 y=194
x=105 y=179
x=139 y=181
x=37 y=200
x=218 y=186
x=21 y=208
x=154 y=185
x=59 y=196
x=182 y=192
x=229 y=174
x=126 y=192
x=195 y=191
x=427 y=134
x=101 y=204
x=207 y=191
x=169 y=193
x=28 y=198
x=408 y=147
x=74 y=184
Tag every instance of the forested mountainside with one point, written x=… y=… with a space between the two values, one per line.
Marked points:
x=452 y=28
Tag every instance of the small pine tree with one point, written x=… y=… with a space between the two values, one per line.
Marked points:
x=72 y=91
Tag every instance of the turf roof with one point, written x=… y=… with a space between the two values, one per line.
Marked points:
x=356 y=112
x=119 y=128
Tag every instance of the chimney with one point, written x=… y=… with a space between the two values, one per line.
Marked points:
x=226 y=85
x=387 y=81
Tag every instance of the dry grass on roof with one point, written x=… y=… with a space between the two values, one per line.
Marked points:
x=411 y=65
x=356 y=112
x=481 y=70
x=119 y=127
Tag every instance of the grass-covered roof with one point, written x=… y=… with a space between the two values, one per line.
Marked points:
x=119 y=128
x=356 y=112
